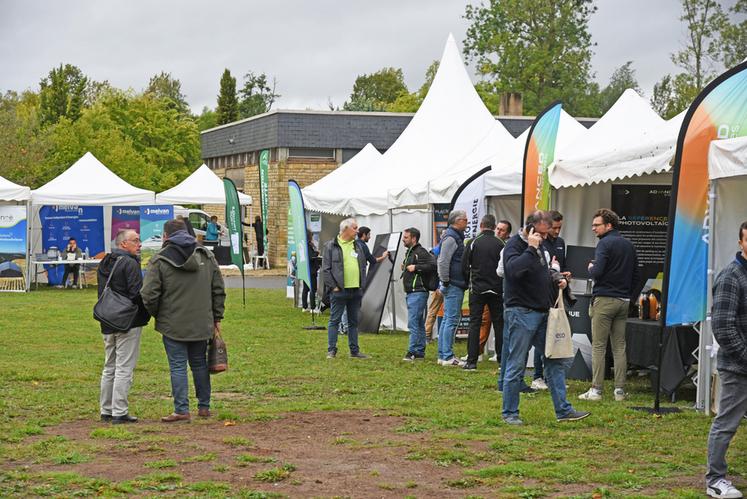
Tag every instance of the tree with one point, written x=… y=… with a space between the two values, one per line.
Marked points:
x=410 y=102
x=256 y=97
x=228 y=105
x=164 y=86
x=63 y=94
x=622 y=79
x=673 y=94
x=23 y=144
x=373 y=92
x=540 y=49
x=733 y=37
x=207 y=119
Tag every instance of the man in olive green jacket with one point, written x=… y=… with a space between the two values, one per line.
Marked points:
x=183 y=290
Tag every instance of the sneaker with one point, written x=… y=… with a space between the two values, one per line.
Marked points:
x=452 y=362
x=539 y=384
x=466 y=358
x=722 y=488
x=528 y=390
x=409 y=357
x=358 y=355
x=592 y=394
x=331 y=354
x=494 y=358
x=620 y=395
x=470 y=367
x=574 y=416
x=513 y=421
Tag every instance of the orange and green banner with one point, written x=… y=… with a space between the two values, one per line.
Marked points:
x=719 y=112
x=538 y=155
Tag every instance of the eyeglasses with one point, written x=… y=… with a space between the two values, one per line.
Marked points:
x=136 y=240
x=596 y=225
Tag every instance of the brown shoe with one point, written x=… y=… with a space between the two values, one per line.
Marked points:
x=203 y=412
x=176 y=418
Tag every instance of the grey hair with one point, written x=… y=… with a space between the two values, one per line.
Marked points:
x=347 y=223
x=456 y=214
x=121 y=236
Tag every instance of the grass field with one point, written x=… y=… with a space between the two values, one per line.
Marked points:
x=288 y=422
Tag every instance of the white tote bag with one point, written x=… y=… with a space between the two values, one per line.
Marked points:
x=558 y=340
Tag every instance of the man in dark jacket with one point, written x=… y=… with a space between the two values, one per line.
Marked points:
x=730 y=330
x=121 y=348
x=479 y=264
x=344 y=274
x=531 y=288
x=417 y=268
x=184 y=291
x=453 y=284
x=615 y=273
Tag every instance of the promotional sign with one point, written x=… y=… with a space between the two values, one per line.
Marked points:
x=264 y=190
x=125 y=217
x=719 y=112
x=538 y=155
x=235 y=231
x=440 y=220
x=152 y=218
x=13 y=225
x=83 y=223
x=643 y=212
x=470 y=197
x=298 y=221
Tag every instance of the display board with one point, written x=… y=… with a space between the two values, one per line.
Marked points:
x=13 y=246
x=377 y=283
x=440 y=221
x=152 y=218
x=125 y=217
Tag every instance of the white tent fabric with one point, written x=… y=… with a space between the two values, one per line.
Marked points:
x=13 y=192
x=201 y=187
x=629 y=140
x=727 y=158
x=332 y=193
x=88 y=182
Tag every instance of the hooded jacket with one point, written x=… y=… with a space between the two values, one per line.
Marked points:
x=127 y=281
x=183 y=289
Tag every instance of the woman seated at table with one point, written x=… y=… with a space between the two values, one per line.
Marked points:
x=70 y=250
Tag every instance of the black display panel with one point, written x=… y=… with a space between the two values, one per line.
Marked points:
x=577 y=260
x=377 y=283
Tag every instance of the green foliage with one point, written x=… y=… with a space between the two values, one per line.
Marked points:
x=23 y=144
x=540 y=49
x=410 y=102
x=163 y=86
x=207 y=119
x=622 y=79
x=63 y=94
x=373 y=92
x=673 y=94
x=733 y=37
x=228 y=104
x=256 y=96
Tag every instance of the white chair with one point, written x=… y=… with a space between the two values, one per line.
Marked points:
x=256 y=259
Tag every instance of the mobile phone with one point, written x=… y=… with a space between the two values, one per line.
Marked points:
x=529 y=228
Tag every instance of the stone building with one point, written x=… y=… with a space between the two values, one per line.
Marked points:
x=304 y=146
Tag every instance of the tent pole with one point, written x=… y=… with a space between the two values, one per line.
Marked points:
x=705 y=360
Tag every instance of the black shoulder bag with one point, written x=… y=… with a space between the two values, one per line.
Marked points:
x=113 y=309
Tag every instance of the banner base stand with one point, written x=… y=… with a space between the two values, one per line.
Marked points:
x=313 y=326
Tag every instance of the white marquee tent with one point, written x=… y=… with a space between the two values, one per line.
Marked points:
x=203 y=186
x=13 y=192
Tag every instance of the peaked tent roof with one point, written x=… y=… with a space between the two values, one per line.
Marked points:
x=89 y=182
x=331 y=194
x=203 y=186
x=13 y=192
x=630 y=139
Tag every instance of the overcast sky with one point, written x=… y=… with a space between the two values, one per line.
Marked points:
x=315 y=49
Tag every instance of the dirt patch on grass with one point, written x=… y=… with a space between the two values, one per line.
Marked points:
x=349 y=453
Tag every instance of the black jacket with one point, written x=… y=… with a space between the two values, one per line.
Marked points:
x=528 y=281
x=480 y=263
x=127 y=281
x=424 y=263
x=615 y=270
x=332 y=264
x=556 y=247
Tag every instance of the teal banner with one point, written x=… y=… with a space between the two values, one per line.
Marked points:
x=297 y=221
x=235 y=231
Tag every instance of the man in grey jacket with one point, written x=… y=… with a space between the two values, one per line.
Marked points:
x=730 y=330
x=184 y=291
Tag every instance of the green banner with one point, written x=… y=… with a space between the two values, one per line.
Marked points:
x=264 y=191
x=235 y=230
x=297 y=220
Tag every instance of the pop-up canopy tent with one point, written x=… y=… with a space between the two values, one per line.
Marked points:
x=13 y=192
x=201 y=187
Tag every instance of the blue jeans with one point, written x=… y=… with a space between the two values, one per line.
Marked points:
x=347 y=299
x=453 y=296
x=417 y=303
x=527 y=327
x=504 y=353
x=179 y=354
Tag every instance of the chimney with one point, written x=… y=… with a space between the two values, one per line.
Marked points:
x=510 y=104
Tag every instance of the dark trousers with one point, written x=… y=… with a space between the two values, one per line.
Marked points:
x=477 y=302
x=71 y=269
x=309 y=295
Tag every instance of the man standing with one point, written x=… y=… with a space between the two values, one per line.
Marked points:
x=480 y=264
x=417 y=268
x=615 y=273
x=121 y=348
x=730 y=330
x=344 y=273
x=184 y=291
x=531 y=288
x=453 y=284
x=503 y=230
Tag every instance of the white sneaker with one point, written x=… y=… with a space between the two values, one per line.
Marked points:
x=452 y=362
x=464 y=359
x=592 y=394
x=620 y=395
x=539 y=384
x=723 y=488
x=494 y=358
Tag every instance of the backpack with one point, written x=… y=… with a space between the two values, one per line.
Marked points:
x=430 y=280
